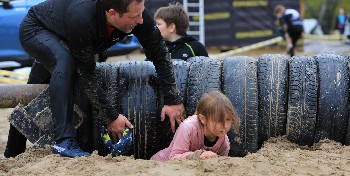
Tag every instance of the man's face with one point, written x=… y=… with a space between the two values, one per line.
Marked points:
x=129 y=20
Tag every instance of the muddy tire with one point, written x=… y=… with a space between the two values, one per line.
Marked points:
x=302 y=101
x=138 y=102
x=204 y=76
x=239 y=84
x=273 y=88
x=347 y=138
x=34 y=120
x=333 y=111
x=107 y=75
x=181 y=69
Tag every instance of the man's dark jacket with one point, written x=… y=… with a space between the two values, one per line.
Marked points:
x=82 y=24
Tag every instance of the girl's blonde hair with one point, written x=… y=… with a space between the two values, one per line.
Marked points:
x=217 y=106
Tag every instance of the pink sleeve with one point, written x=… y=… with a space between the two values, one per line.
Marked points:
x=182 y=142
x=225 y=148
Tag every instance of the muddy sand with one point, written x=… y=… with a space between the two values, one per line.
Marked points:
x=278 y=156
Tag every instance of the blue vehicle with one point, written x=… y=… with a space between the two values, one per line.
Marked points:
x=11 y=53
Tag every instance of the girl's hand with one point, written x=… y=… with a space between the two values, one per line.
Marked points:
x=208 y=154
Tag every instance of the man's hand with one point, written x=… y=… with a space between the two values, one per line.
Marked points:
x=175 y=112
x=117 y=127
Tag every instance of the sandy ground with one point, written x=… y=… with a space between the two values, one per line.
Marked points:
x=278 y=156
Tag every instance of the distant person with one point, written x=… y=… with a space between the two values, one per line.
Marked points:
x=340 y=22
x=203 y=135
x=291 y=25
x=173 y=23
x=348 y=28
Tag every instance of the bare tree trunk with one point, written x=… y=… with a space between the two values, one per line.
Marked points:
x=325 y=17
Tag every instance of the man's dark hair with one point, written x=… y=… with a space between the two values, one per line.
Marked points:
x=121 y=6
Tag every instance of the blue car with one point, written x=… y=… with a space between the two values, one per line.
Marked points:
x=11 y=52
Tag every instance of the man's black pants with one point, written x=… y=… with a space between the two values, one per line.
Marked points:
x=54 y=65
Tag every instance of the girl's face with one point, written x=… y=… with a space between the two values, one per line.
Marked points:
x=216 y=128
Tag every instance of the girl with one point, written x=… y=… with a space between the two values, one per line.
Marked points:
x=203 y=135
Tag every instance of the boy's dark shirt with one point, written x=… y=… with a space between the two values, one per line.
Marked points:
x=185 y=47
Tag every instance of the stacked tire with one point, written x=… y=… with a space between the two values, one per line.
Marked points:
x=305 y=98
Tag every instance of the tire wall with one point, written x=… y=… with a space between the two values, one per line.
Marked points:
x=107 y=74
x=181 y=69
x=333 y=102
x=204 y=76
x=304 y=97
x=272 y=95
x=239 y=84
x=302 y=101
x=138 y=102
x=347 y=138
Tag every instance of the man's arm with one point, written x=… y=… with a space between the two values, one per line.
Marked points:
x=155 y=50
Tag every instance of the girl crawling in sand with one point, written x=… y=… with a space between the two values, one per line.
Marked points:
x=203 y=135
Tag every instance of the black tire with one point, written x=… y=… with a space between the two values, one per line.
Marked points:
x=333 y=107
x=239 y=84
x=204 y=76
x=273 y=89
x=138 y=102
x=107 y=76
x=347 y=138
x=34 y=121
x=181 y=69
x=197 y=59
x=302 y=101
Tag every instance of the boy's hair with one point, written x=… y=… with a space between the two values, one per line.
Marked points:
x=217 y=106
x=278 y=9
x=121 y=6
x=174 y=13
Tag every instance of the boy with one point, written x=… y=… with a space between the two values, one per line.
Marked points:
x=173 y=23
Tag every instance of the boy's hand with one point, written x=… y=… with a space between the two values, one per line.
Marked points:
x=208 y=154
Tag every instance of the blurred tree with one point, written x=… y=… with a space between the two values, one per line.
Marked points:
x=325 y=11
x=326 y=16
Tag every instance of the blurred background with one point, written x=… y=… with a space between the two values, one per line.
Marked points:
x=226 y=27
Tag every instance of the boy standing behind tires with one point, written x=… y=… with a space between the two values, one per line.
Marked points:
x=173 y=23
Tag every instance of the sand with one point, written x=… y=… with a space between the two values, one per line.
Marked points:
x=277 y=156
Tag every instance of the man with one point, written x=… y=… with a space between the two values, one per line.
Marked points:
x=63 y=36
x=291 y=24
